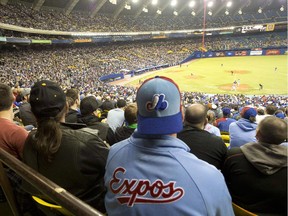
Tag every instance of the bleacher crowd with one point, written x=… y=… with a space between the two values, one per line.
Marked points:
x=21 y=14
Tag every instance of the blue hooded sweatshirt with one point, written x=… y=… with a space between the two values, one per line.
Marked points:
x=242 y=132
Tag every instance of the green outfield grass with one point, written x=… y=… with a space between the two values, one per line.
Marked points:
x=208 y=76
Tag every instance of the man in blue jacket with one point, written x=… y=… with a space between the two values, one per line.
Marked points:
x=153 y=172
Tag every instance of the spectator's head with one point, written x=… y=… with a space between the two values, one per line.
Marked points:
x=249 y=113
x=159 y=107
x=25 y=94
x=121 y=103
x=280 y=114
x=272 y=130
x=226 y=112
x=270 y=109
x=260 y=111
x=195 y=115
x=211 y=116
x=88 y=106
x=130 y=113
x=107 y=105
x=74 y=95
x=48 y=104
x=47 y=99
x=6 y=97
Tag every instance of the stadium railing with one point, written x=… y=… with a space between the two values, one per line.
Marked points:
x=62 y=197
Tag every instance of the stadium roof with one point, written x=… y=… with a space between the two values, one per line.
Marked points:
x=182 y=7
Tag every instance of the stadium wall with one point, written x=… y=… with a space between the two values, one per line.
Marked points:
x=231 y=53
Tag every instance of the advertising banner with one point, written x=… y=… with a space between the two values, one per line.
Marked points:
x=240 y=53
x=41 y=41
x=229 y=53
x=102 y=39
x=61 y=41
x=256 y=52
x=122 y=38
x=273 y=52
x=84 y=40
x=141 y=37
x=219 y=54
x=2 y=39
x=270 y=27
x=18 y=40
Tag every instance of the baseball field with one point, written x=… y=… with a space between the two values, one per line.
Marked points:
x=217 y=75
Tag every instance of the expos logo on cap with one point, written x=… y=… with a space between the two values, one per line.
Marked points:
x=158 y=103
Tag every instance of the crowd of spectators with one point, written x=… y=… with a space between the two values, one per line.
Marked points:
x=21 y=14
x=81 y=66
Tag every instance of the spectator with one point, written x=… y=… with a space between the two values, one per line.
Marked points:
x=12 y=139
x=89 y=108
x=244 y=130
x=209 y=126
x=125 y=131
x=106 y=106
x=115 y=117
x=73 y=104
x=202 y=144
x=72 y=158
x=256 y=173
x=224 y=122
x=26 y=115
x=280 y=114
x=153 y=168
x=269 y=110
x=12 y=136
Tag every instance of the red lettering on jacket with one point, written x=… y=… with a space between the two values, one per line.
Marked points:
x=134 y=191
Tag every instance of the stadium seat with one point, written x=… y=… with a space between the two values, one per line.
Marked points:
x=49 y=208
x=239 y=211
x=225 y=137
x=8 y=191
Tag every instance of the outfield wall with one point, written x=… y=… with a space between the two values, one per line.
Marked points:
x=231 y=53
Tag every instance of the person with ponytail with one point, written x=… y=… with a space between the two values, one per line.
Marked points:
x=70 y=155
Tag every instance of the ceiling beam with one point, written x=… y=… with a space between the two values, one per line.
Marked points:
x=69 y=7
x=37 y=4
x=98 y=7
x=162 y=9
x=183 y=8
x=219 y=9
x=4 y=2
x=119 y=9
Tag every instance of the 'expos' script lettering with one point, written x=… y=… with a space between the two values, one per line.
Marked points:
x=133 y=191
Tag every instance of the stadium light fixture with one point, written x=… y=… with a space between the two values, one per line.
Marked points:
x=193 y=13
x=227 y=12
x=229 y=4
x=240 y=12
x=134 y=1
x=210 y=13
x=145 y=10
x=282 y=8
x=173 y=3
x=210 y=4
x=128 y=7
x=260 y=10
x=175 y=13
x=154 y=2
x=192 y=4
x=159 y=12
x=113 y=2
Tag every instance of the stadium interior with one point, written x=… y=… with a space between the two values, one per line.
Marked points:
x=106 y=48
